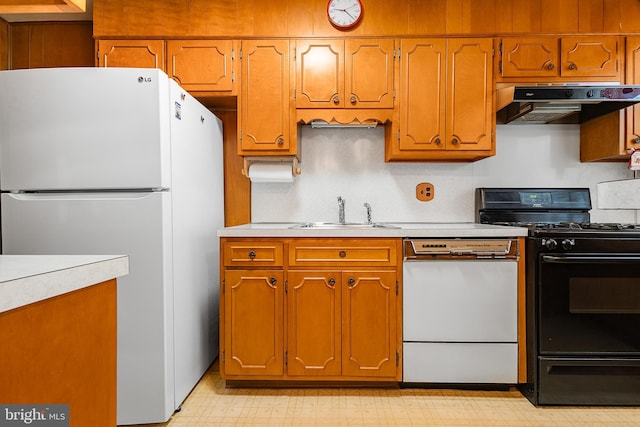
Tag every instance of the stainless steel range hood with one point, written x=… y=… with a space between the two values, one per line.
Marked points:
x=550 y=104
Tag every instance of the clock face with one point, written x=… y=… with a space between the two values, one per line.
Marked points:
x=344 y=14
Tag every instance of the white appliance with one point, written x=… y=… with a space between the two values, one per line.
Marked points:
x=123 y=161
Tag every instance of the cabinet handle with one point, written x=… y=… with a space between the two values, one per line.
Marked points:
x=437 y=141
x=454 y=141
x=572 y=66
x=353 y=99
x=336 y=99
x=636 y=140
x=342 y=254
x=332 y=282
x=273 y=281
x=352 y=281
x=281 y=141
x=550 y=67
x=252 y=254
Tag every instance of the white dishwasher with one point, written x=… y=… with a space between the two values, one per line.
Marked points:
x=460 y=312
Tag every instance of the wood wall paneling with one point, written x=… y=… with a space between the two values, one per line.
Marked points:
x=237 y=187
x=45 y=45
x=4 y=45
x=307 y=18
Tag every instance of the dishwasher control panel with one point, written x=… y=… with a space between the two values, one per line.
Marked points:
x=460 y=248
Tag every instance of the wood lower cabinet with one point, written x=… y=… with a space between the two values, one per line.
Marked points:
x=331 y=312
x=446 y=101
x=253 y=315
x=131 y=53
x=314 y=324
x=571 y=59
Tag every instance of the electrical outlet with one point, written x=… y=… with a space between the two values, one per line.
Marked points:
x=424 y=191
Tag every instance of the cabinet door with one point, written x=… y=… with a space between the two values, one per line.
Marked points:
x=313 y=307
x=131 y=53
x=369 y=73
x=254 y=322
x=470 y=116
x=320 y=74
x=589 y=57
x=633 y=77
x=422 y=94
x=266 y=96
x=369 y=319
x=530 y=57
x=202 y=65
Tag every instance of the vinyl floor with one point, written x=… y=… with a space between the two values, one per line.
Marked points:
x=211 y=403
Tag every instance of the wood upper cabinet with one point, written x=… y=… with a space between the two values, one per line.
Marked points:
x=572 y=58
x=611 y=137
x=344 y=73
x=266 y=99
x=131 y=53
x=202 y=65
x=446 y=100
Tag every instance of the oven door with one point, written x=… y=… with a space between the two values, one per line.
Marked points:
x=589 y=304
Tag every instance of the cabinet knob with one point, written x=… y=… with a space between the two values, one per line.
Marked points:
x=437 y=141
x=273 y=280
x=550 y=66
x=281 y=141
x=572 y=66
x=252 y=254
x=352 y=281
x=353 y=99
x=336 y=99
x=342 y=254
x=636 y=140
x=454 y=141
x=332 y=282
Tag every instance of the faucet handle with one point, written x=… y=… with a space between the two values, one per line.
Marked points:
x=368 y=206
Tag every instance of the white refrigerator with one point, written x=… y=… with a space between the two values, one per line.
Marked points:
x=123 y=161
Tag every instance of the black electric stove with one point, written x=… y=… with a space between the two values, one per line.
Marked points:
x=582 y=296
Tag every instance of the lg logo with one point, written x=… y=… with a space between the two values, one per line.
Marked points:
x=144 y=79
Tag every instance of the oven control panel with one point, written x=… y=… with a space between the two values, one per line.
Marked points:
x=457 y=248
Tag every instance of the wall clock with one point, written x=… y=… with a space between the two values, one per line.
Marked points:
x=344 y=14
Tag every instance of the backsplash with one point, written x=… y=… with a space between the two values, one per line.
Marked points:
x=350 y=163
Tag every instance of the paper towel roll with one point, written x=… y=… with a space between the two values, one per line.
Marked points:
x=271 y=172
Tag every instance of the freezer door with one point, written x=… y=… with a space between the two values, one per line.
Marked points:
x=133 y=224
x=84 y=128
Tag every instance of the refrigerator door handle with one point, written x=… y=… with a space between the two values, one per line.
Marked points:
x=81 y=195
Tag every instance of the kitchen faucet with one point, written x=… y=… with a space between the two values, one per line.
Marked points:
x=341 y=210
x=368 y=206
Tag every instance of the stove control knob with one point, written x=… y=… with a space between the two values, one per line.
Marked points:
x=568 y=244
x=550 y=244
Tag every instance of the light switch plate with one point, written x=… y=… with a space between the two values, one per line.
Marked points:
x=424 y=191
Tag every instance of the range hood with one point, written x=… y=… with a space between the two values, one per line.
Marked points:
x=550 y=104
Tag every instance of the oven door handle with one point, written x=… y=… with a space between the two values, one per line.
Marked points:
x=604 y=259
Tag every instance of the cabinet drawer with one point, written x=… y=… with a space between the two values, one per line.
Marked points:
x=254 y=253
x=358 y=252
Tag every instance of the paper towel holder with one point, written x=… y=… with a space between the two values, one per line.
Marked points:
x=295 y=167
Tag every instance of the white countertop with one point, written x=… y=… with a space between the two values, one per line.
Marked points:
x=25 y=279
x=405 y=229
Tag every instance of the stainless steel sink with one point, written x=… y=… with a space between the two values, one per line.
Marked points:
x=337 y=225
